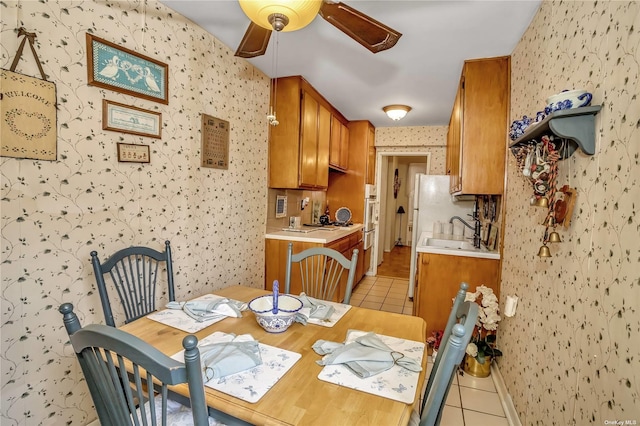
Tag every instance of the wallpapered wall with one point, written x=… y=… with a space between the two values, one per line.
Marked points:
x=417 y=139
x=55 y=213
x=571 y=351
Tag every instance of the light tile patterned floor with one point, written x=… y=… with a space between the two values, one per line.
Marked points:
x=472 y=401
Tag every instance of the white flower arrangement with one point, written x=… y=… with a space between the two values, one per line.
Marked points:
x=488 y=318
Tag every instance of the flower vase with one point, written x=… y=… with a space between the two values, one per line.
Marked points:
x=473 y=367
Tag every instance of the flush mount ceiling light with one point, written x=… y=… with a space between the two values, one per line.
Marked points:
x=396 y=112
x=281 y=15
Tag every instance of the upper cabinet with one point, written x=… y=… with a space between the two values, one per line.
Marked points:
x=347 y=189
x=477 y=138
x=299 y=145
x=339 y=151
x=371 y=155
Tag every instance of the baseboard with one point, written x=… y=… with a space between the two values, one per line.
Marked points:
x=507 y=403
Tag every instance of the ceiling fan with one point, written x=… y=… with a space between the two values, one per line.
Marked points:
x=266 y=16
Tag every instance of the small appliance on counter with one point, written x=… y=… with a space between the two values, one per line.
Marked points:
x=343 y=216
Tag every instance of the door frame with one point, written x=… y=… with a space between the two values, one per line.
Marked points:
x=380 y=155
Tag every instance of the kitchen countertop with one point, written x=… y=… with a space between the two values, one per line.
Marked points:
x=475 y=252
x=317 y=235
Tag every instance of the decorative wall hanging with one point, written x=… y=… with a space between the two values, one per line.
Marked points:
x=130 y=153
x=215 y=142
x=396 y=184
x=129 y=119
x=28 y=106
x=122 y=70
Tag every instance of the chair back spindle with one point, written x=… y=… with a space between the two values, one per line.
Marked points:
x=134 y=273
x=321 y=272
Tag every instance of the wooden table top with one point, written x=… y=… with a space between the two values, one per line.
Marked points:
x=299 y=397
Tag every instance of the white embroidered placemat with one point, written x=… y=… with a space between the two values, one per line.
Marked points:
x=252 y=384
x=177 y=318
x=397 y=383
x=340 y=309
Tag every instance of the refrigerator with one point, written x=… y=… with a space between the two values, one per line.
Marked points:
x=432 y=203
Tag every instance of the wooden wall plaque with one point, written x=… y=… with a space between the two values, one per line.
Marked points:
x=215 y=143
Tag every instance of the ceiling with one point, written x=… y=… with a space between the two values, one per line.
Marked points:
x=422 y=70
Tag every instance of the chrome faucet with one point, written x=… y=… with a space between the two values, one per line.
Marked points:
x=476 y=229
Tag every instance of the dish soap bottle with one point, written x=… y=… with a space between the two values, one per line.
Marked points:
x=324 y=219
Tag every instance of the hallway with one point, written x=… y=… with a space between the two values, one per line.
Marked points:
x=395 y=263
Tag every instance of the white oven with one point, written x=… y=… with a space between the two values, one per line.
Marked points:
x=368 y=238
x=370 y=208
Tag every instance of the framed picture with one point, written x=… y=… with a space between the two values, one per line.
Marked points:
x=122 y=70
x=130 y=153
x=129 y=119
x=215 y=143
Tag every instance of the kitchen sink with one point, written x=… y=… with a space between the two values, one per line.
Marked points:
x=450 y=244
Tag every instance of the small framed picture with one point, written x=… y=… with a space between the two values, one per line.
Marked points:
x=129 y=119
x=122 y=70
x=130 y=153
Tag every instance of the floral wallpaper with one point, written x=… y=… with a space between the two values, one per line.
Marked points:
x=418 y=139
x=571 y=352
x=54 y=213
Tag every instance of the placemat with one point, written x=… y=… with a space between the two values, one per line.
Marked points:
x=251 y=385
x=177 y=318
x=340 y=310
x=397 y=383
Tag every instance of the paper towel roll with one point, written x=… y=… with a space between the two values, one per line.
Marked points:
x=510 y=306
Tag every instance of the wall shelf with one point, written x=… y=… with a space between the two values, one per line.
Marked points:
x=576 y=125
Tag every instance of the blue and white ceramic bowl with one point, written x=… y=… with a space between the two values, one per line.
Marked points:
x=518 y=127
x=568 y=99
x=288 y=307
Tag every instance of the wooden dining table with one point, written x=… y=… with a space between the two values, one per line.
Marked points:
x=299 y=397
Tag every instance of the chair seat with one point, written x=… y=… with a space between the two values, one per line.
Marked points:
x=177 y=414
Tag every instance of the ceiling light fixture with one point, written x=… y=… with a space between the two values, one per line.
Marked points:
x=281 y=15
x=396 y=112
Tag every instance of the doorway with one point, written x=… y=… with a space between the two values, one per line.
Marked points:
x=394 y=227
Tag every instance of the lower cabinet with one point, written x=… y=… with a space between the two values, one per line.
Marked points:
x=439 y=278
x=276 y=261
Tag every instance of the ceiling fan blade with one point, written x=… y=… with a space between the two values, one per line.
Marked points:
x=254 y=43
x=370 y=33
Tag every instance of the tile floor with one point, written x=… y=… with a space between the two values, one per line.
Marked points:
x=471 y=401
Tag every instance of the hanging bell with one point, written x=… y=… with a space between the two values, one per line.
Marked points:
x=542 y=202
x=548 y=222
x=554 y=237
x=544 y=251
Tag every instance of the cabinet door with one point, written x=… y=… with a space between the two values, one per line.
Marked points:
x=344 y=146
x=309 y=141
x=454 y=142
x=324 y=140
x=334 y=151
x=371 y=156
x=439 y=278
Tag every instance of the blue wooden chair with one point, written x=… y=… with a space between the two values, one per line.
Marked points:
x=455 y=345
x=456 y=315
x=104 y=352
x=134 y=274
x=321 y=270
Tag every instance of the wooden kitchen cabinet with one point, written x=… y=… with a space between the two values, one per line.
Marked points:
x=439 y=278
x=276 y=261
x=477 y=137
x=347 y=189
x=299 y=145
x=339 y=151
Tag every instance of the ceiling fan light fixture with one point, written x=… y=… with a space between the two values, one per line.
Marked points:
x=396 y=112
x=299 y=13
